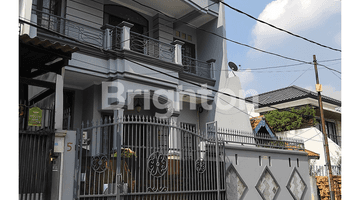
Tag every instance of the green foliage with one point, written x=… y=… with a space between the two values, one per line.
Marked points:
x=284 y=120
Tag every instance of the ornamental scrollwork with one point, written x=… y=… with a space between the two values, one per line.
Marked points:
x=99 y=163
x=200 y=165
x=157 y=164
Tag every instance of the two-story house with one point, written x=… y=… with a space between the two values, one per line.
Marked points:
x=126 y=44
x=135 y=58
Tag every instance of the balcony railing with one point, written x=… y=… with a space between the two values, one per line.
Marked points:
x=152 y=47
x=120 y=38
x=69 y=28
x=197 y=67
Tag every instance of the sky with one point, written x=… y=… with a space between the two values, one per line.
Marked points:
x=317 y=20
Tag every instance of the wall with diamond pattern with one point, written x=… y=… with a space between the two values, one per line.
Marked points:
x=267 y=174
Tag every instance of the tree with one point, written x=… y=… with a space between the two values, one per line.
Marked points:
x=284 y=120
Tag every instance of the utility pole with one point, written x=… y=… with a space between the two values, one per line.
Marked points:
x=326 y=145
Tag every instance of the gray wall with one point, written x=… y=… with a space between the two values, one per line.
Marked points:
x=250 y=171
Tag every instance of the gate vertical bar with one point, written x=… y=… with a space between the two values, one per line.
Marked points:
x=118 y=147
x=76 y=168
x=217 y=161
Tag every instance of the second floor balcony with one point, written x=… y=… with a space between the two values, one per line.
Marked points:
x=119 y=38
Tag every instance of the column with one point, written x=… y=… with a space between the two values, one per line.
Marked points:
x=107 y=37
x=125 y=36
x=211 y=62
x=59 y=107
x=178 y=56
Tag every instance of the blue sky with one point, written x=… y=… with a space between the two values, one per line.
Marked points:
x=318 y=20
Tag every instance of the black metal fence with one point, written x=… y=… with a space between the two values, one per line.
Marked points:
x=35 y=151
x=147 y=158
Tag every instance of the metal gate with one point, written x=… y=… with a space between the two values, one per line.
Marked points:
x=35 y=154
x=141 y=157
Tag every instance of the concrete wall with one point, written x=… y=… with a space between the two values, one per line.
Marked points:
x=236 y=117
x=314 y=142
x=85 y=12
x=250 y=171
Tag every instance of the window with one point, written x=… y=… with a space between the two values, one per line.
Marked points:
x=236 y=159
x=330 y=130
x=115 y=14
x=48 y=13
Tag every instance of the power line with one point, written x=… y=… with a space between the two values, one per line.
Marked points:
x=236 y=42
x=330 y=60
x=280 y=29
x=207 y=88
x=299 y=76
x=329 y=68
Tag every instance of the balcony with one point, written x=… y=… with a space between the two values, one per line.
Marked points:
x=121 y=39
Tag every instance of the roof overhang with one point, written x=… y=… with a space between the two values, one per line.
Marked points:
x=37 y=56
x=196 y=13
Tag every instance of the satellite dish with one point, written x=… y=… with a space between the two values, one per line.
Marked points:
x=233 y=66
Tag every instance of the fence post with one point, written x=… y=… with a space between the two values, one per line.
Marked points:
x=77 y=169
x=217 y=160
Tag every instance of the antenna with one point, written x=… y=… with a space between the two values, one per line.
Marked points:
x=233 y=67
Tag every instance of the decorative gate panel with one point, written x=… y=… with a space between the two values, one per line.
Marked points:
x=147 y=158
x=35 y=154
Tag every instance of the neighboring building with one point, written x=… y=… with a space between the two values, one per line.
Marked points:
x=292 y=97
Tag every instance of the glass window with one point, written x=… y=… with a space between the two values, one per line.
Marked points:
x=330 y=129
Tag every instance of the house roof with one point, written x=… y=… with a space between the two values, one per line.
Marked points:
x=258 y=122
x=287 y=94
x=311 y=154
x=255 y=121
x=47 y=44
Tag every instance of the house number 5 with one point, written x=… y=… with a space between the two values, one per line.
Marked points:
x=68 y=144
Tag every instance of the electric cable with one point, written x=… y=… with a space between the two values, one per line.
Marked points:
x=299 y=76
x=236 y=42
x=280 y=29
x=111 y=51
x=207 y=88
